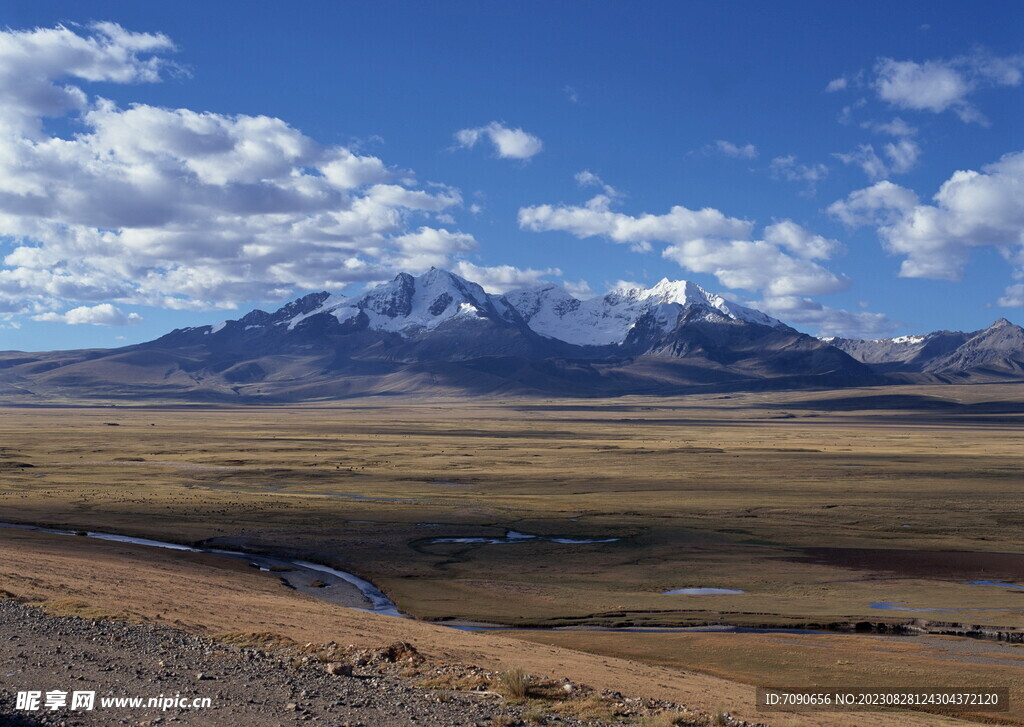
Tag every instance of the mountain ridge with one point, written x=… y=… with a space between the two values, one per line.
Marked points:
x=440 y=333
x=991 y=353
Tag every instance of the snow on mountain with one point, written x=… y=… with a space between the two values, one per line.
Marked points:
x=408 y=304
x=551 y=311
x=329 y=303
x=411 y=305
x=902 y=350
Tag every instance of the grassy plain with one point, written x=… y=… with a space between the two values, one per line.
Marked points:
x=816 y=504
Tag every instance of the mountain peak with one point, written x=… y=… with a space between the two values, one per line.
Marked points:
x=552 y=312
x=412 y=303
x=409 y=304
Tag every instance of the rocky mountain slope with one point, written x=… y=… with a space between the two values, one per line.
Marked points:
x=996 y=352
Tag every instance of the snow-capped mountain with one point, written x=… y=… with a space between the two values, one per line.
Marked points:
x=409 y=305
x=552 y=312
x=440 y=333
x=412 y=306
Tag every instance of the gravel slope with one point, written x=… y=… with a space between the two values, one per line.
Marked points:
x=248 y=686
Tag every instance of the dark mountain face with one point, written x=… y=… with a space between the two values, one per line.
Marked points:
x=756 y=351
x=438 y=333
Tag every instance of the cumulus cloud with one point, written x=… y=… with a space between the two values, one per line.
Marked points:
x=34 y=63
x=705 y=241
x=103 y=314
x=1013 y=296
x=428 y=247
x=597 y=218
x=900 y=157
x=971 y=209
x=944 y=84
x=502 y=278
x=836 y=84
x=800 y=241
x=804 y=312
x=182 y=209
x=882 y=203
x=755 y=265
x=932 y=85
x=508 y=143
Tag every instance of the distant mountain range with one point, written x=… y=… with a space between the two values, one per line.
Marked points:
x=441 y=334
x=997 y=352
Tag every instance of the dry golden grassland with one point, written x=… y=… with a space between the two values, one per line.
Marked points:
x=704 y=492
x=728 y=491
x=238 y=604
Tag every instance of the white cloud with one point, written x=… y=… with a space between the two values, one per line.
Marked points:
x=508 y=143
x=825 y=321
x=579 y=289
x=34 y=62
x=836 y=84
x=620 y=285
x=429 y=247
x=801 y=242
x=787 y=168
x=704 y=241
x=103 y=314
x=502 y=278
x=882 y=203
x=755 y=265
x=181 y=209
x=941 y=85
x=587 y=178
x=971 y=209
x=745 y=151
x=596 y=218
x=932 y=85
x=866 y=158
x=1013 y=296
x=901 y=154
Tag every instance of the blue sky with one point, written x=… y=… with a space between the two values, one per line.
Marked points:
x=851 y=168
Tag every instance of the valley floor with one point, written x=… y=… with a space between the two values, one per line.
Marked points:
x=880 y=506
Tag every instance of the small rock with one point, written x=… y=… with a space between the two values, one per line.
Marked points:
x=336 y=668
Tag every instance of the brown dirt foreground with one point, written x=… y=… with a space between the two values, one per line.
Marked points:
x=213 y=595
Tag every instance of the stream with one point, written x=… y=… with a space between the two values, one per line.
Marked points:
x=303 y=575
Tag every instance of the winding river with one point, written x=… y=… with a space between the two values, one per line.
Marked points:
x=310 y=578
x=375 y=599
